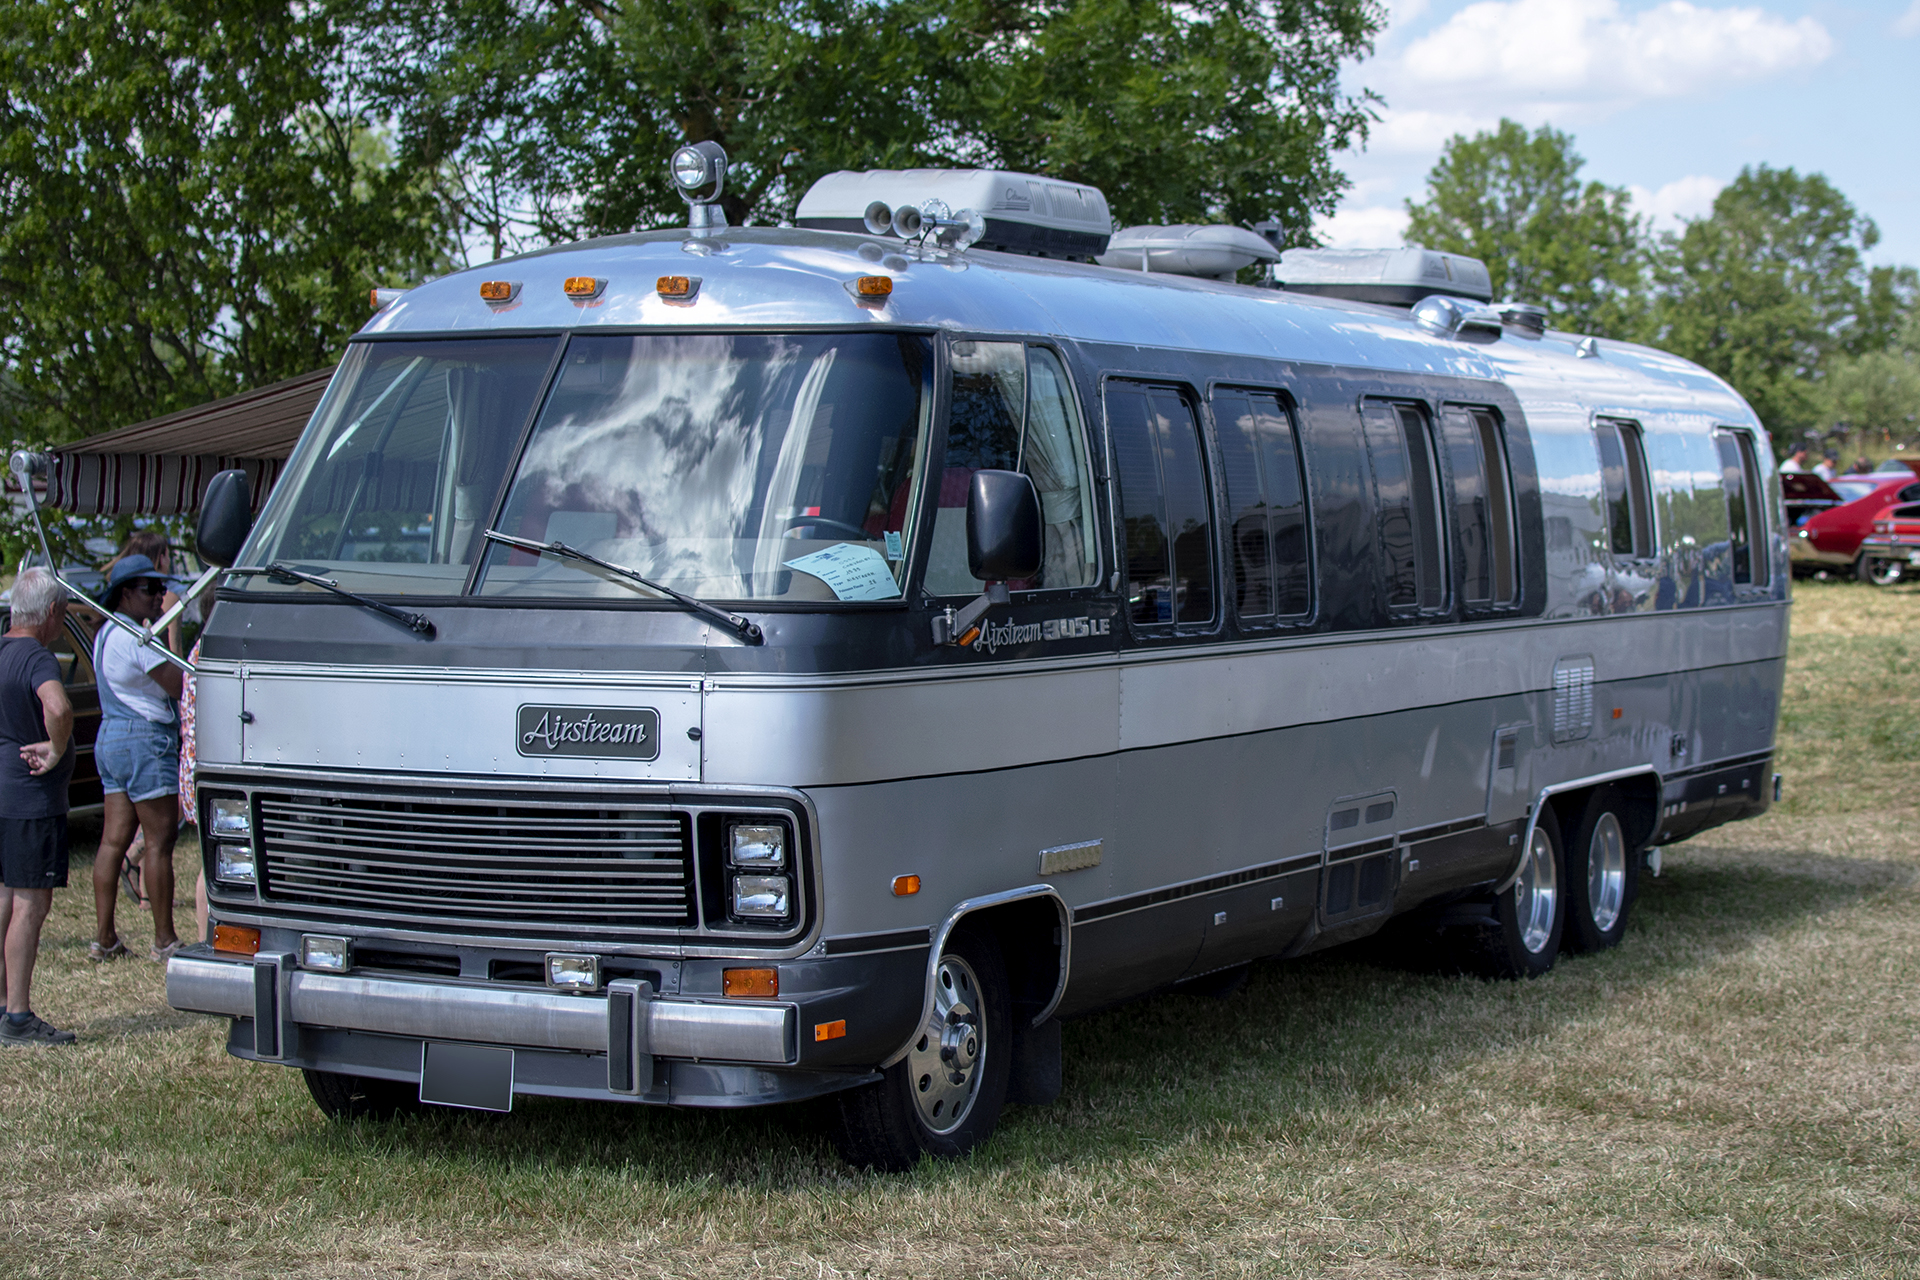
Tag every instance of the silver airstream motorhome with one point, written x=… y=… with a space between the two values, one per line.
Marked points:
x=732 y=665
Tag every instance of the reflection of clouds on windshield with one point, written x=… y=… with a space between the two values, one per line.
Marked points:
x=675 y=454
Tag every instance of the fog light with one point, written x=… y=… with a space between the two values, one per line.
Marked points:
x=229 y=818
x=328 y=955
x=762 y=984
x=233 y=864
x=573 y=973
x=762 y=897
x=758 y=845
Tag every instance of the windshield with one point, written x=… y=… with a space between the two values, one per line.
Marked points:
x=726 y=466
x=390 y=488
x=1852 y=490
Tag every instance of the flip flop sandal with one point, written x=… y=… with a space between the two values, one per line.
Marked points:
x=163 y=954
x=131 y=882
x=99 y=954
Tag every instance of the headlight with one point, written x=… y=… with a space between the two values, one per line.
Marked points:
x=233 y=864
x=762 y=897
x=230 y=818
x=573 y=972
x=757 y=846
x=327 y=954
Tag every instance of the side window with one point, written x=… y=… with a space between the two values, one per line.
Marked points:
x=1163 y=504
x=76 y=664
x=1407 y=499
x=1266 y=515
x=1482 y=505
x=1623 y=479
x=1746 y=508
x=1011 y=407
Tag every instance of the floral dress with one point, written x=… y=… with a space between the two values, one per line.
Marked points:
x=188 y=810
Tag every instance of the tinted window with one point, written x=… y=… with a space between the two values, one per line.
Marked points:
x=1408 y=502
x=1623 y=481
x=1482 y=505
x=1746 y=509
x=1266 y=514
x=1163 y=504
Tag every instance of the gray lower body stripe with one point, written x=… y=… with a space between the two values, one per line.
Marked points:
x=861 y=943
x=1156 y=897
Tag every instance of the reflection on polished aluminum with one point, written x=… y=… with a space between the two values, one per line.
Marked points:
x=1606 y=872
x=1536 y=894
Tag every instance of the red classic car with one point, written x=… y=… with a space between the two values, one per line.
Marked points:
x=1831 y=539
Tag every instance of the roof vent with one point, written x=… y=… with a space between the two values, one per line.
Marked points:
x=1525 y=316
x=1397 y=277
x=1023 y=213
x=1215 y=252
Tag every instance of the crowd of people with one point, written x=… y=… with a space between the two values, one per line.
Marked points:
x=1827 y=468
x=145 y=759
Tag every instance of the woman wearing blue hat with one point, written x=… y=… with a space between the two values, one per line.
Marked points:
x=138 y=754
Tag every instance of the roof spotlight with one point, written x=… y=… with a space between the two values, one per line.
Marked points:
x=693 y=168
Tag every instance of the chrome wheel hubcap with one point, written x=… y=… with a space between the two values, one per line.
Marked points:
x=1536 y=894
x=1606 y=872
x=944 y=1063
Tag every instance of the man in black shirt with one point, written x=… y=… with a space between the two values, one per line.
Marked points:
x=36 y=760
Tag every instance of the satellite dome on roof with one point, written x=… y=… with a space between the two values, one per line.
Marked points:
x=1024 y=213
x=1214 y=252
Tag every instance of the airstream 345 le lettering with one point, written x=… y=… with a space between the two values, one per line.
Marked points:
x=730 y=665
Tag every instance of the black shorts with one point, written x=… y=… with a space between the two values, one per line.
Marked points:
x=33 y=852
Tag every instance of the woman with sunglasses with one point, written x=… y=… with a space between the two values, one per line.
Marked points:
x=138 y=754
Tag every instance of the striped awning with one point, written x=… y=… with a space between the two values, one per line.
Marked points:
x=162 y=466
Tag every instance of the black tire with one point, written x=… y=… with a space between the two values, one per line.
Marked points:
x=1531 y=915
x=889 y=1124
x=345 y=1097
x=1603 y=874
x=1879 y=570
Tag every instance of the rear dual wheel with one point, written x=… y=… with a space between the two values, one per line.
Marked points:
x=944 y=1097
x=1603 y=874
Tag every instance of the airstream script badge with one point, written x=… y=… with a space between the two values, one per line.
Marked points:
x=604 y=733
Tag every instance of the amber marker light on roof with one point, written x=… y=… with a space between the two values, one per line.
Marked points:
x=499 y=292
x=750 y=984
x=380 y=299
x=677 y=288
x=905 y=886
x=874 y=286
x=584 y=288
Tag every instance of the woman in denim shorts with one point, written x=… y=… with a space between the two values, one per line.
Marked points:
x=138 y=754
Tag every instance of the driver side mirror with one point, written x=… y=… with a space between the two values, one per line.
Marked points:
x=226 y=517
x=1003 y=527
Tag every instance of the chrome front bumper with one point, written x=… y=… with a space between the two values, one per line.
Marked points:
x=281 y=998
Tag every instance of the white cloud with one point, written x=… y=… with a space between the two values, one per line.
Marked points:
x=1372 y=227
x=1677 y=201
x=1590 y=51
x=1908 y=23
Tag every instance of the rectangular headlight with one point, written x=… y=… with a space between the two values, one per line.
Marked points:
x=233 y=864
x=230 y=818
x=762 y=897
x=572 y=972
x=757 y=846
x=327 y=954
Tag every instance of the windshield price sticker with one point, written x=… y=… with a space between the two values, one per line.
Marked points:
x=853 y=572
x=604 y=733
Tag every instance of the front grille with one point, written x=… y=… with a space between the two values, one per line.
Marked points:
x=484 y=866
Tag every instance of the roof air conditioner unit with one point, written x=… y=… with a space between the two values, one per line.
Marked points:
x=1024 y=213
x=1397 y=277
x=1215 y=252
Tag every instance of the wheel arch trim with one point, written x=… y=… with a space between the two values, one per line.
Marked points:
x=1546 y=793
x=972 y=906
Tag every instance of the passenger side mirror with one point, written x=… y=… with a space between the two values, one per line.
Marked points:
x=1003 y=527
x=226 y=517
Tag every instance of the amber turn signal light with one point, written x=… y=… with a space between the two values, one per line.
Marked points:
x=905 y=886
x=584 y=288
x=232 y=937
x=675 y=286
x=830 y=1030
x=752 y=984
x=498 y=292
x=873 y=286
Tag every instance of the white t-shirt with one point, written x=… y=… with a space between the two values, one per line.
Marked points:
x=123 y=664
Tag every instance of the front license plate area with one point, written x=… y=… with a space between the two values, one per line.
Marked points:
x=478 y=1077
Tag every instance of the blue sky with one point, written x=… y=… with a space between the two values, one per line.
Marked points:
x=1669 y=99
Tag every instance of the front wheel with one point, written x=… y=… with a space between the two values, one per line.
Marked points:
x=1603 y=875
x=945 y=1096
x=1878 y=570
x=1524 y=939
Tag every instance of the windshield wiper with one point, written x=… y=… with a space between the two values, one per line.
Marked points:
x=747 y=631
x=416 y=622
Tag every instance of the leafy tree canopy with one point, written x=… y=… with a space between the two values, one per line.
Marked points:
x=191 y=202
x=554 y=118
x=1515 y=201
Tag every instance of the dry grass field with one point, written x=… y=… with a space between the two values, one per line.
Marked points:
x=1735 y=1091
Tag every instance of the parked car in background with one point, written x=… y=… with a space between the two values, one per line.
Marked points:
x=1831 y=540
x=1891 y=553
x=1806 y=495
x=73 y=649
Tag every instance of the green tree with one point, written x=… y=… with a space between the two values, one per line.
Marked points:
x=1771 y=288
x=1878 y=391
x=1515 y=201
x=191 y=203
x=553 y=120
